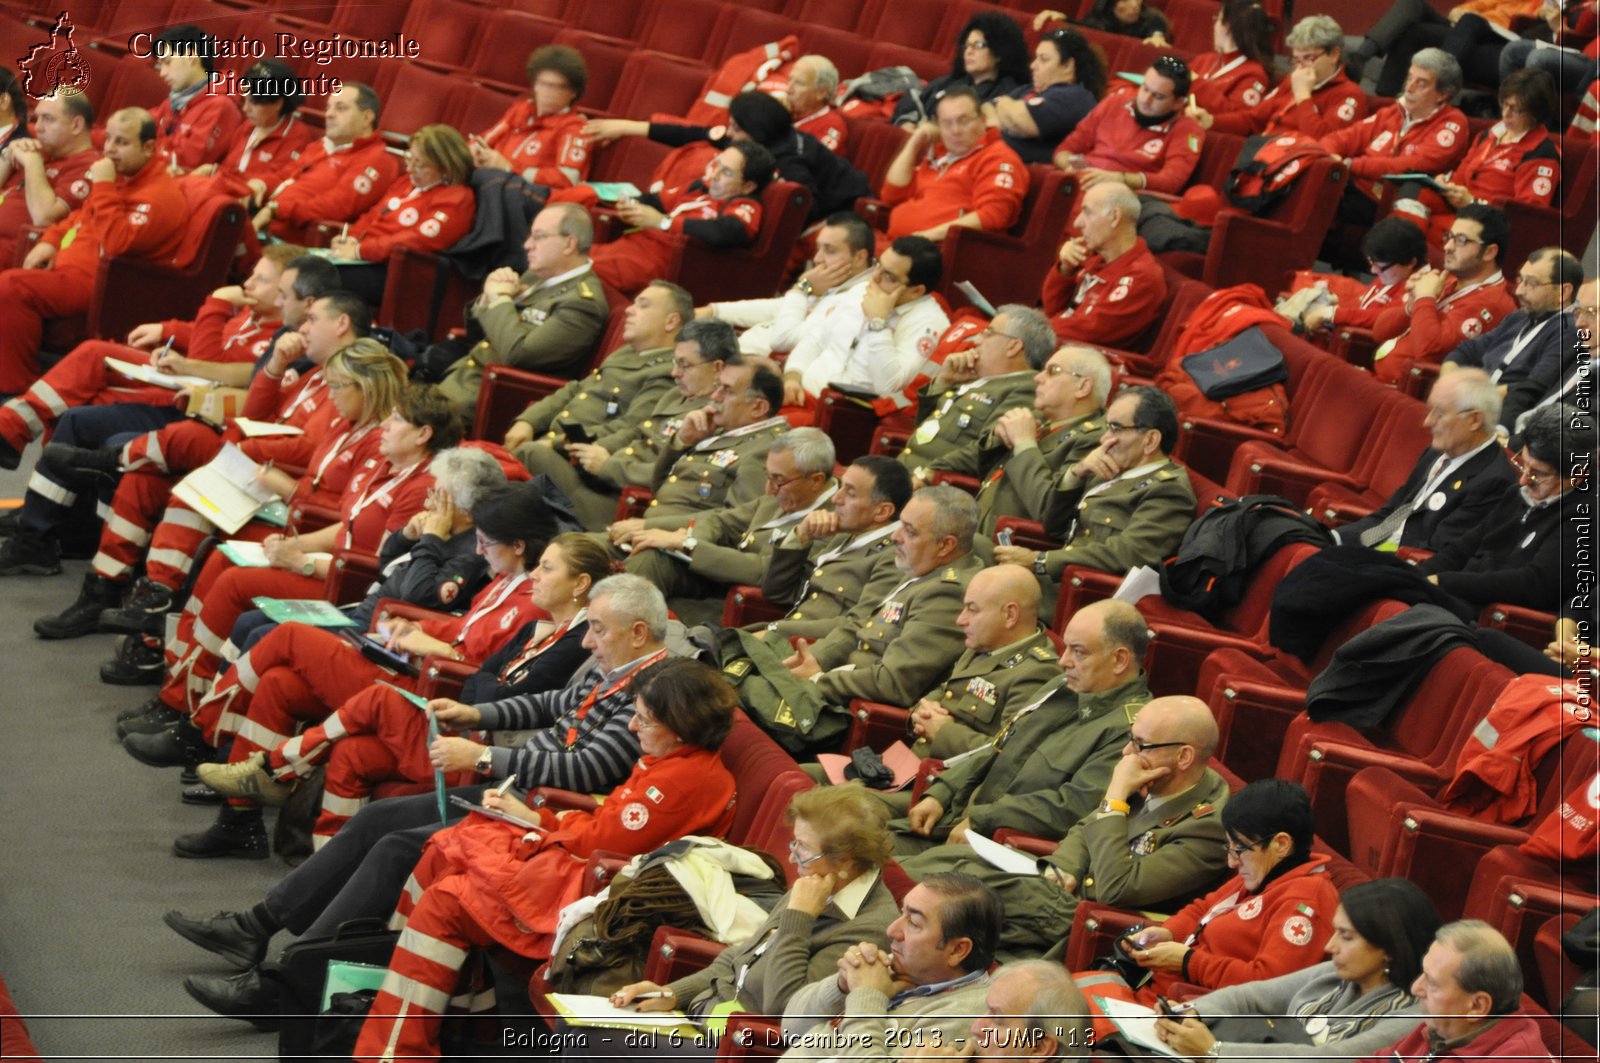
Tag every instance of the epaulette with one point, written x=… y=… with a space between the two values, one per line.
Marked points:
x=1043 y=653
x=1165 y=474
x=950 y=576
x=1203 y=809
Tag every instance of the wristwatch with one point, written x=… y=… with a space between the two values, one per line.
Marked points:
x=804 y=285
x=1108 y=806
x=1039 y=568
x=877 y=324
x=485 y=762
x=308 y=567
x=689 y=543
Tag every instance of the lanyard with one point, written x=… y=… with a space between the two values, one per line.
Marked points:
x=596 y=694
x=537 y=647
x=312 y=385
x=350 y=436
x=1524 y=338
x=508 y=587
x=375 y=492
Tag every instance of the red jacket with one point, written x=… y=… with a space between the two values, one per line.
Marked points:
x=144 y=216
x=332 y=187
x=266 y=157
x=1364 y=311
x=1105 y=302
x=515 y=888
x=1333 y=105
x=1526 y=170
x=828 y=126
x=1224 y=83
x=379 y=499
x=990 y=180
x=1377 y=146
x=497 y=612
x=200 y=132
x=1494 y=775
x=331 y=451
x=1433 y=327
x=289 y=402
x=1111 y=139
x=67 y=180
x=431 y=219
x=1569 y=831
x=221 y=332
x=1514 y=1037
x=549 y=151
x=1238 y=938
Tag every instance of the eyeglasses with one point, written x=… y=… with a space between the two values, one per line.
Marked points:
x=778 y=483
x=1378 y=267
x=1529 y=474
x=796 y=847
x=1112 y=426
x=683 y=366
x=484 y=542
x=1461 y=239
x=1525 y=281
x=643 y=722
x=1145 y=747
x=1057 y=370
x=980 y=46
x=1237 y=851
x=340 y=385
x=992 y=331
x=1308 y=58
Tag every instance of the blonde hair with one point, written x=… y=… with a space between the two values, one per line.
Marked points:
x=444 y=147
x=378 y=373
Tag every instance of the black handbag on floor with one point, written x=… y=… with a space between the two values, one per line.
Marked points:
x=302 y=971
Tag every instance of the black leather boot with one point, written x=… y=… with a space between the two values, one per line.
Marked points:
x=237 y=832
x=231 y=935
x=179 y=745
x=82 y=617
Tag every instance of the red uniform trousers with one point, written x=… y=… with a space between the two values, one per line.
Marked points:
x=153 y=463
x=425 y=970
x=29 y=297
x=221 y=595
x=79 y=379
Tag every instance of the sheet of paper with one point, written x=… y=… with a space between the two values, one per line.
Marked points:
x=581 y=1009
x=253 y=428
x=1138 y=583
x=1002 y=856
x=970 y=290
x=150 y=375
x=1136 y=1024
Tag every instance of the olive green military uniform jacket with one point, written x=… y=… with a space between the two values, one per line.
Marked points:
x=984 y=687
x=1150 y=859
x=635 y=444
x=621 y=392
x=954 y=422
x=719 y=471
x=830 y=581
x=1047 y=773
x=552 y=328
x=1024 y=484
x=904 y=646
x=732 y=545
x=1123 y=523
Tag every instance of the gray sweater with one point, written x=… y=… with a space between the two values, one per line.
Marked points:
x=1357 y=1025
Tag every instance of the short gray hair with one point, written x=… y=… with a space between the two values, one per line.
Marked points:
x=1445 y=68
x=466 y=474
x=1092 y=364
x=634 y=598
x=827 y=73
x=1476 y=390
x=1033 y=330
x=1056 y=1007
x=812 y=449
x=1122 y=198
x=576 y=223
x=954 y=513
x=1316 y=31
x=1488 y=962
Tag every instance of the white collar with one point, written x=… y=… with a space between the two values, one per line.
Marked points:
x=849 y=897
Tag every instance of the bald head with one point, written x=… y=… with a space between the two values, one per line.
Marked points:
x=130 y=140
x=1000 y=606
x=1178 y=735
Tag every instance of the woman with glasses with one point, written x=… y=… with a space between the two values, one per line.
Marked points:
x=1233 y=75
x=1515 y=159
x=430 y=208
x=485 y=882
x=1349 y=1007
x=841 y=841
x=991 y=56
x=1271 y=918
x=1069 y=77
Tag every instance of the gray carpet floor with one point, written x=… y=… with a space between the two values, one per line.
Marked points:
x=86 y=865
